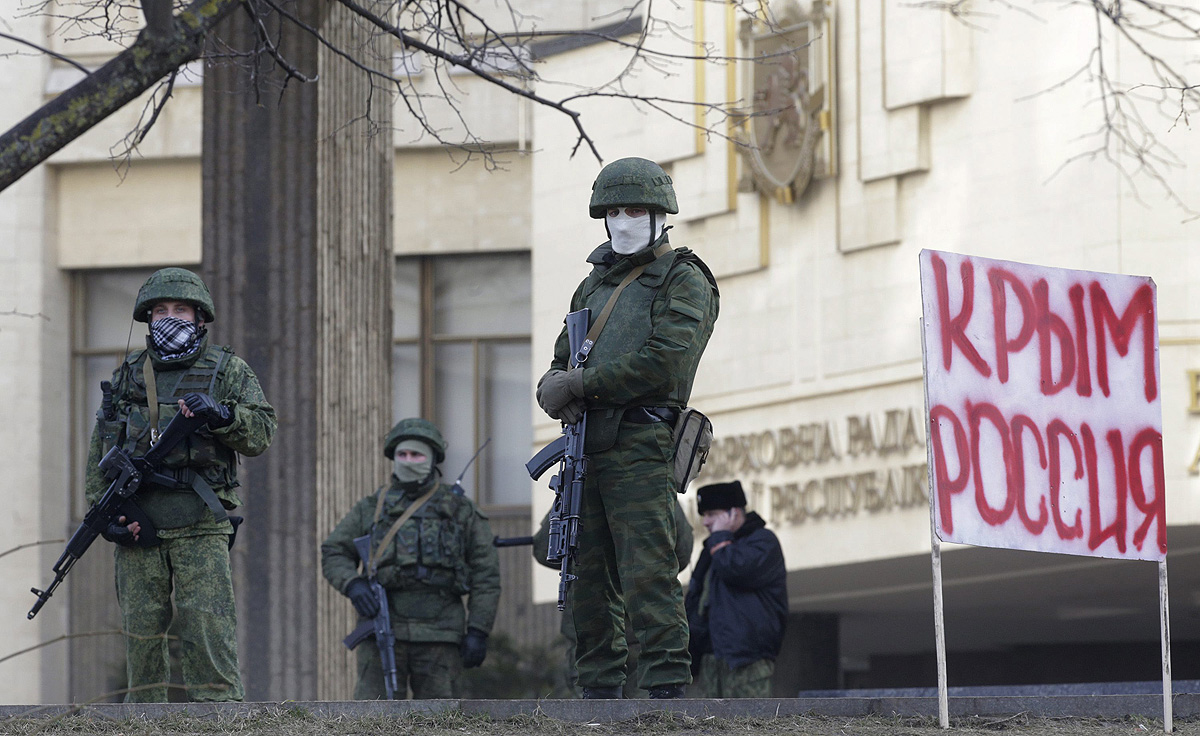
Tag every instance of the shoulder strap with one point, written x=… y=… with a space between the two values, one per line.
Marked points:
x=225 y=353
x=594 y=333
x=151 y=398
x=691 y=257
x=408 y=513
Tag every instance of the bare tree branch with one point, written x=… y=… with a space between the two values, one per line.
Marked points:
x=1124 y=136
x=466 y=64
x=47 y=52
x=27 y=545
x=107 y=90
x=158 y=15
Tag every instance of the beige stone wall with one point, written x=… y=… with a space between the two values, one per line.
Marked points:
x=447 y=204
x=148 y=217
x=34 y=381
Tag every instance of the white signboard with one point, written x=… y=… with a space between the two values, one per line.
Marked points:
x=1045 y=427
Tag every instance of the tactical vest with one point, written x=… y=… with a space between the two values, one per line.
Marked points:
x=200 y=454
x=428 y=555
x=627 y=330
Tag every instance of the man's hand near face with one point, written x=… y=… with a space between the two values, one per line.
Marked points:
x=721 y=520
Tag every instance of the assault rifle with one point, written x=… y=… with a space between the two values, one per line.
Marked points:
x=127 y=474
x=380 y=626
x=567 y=485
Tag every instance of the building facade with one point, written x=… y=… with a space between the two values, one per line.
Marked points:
x=899 y=129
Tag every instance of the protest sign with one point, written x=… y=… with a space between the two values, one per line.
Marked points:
x=1045 y=425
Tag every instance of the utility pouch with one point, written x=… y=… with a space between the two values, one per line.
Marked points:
x=692 y=439
x=236 y=521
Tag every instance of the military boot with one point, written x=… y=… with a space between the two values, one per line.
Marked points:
x=602 y=693
x=666 y=692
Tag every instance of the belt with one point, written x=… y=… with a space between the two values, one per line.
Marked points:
x=650 y=414
x=168 y=479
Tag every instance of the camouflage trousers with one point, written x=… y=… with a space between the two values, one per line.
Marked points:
x=570 y=676
x=196 y=570
x=429 y=668
x=718 y=680
x=627 y=564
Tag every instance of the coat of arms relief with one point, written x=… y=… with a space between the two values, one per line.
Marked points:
x=788 y=133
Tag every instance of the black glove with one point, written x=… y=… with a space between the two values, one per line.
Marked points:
x=473 y=648
x=118 y=533
x=359 y=593
x=557 y=387
x=572 y=411
x=214 y=414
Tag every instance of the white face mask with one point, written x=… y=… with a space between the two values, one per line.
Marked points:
x=631 y=234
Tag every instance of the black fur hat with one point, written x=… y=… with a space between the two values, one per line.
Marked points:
x=720 y=496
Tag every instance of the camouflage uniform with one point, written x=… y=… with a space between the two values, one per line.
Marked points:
x=443 y=552
x=646 y=356
x=192 y=560
x=684 y=541
x=718 y=679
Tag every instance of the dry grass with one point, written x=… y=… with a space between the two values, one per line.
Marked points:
x=284 y=722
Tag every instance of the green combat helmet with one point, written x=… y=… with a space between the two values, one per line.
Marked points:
x=415 y=429
x=629 y=182
x=175 y=284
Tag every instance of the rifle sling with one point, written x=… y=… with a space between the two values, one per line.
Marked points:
x=151 y=397
x=408 y=514
x=594 y=332
x=205 y=491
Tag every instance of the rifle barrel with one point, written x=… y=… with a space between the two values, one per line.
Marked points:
x=511 y=541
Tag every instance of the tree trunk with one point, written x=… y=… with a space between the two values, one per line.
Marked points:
x=298 y=255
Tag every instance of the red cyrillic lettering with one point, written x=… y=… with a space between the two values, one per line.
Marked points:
x=1059 y=428
x=953 y=329
x=1018 y=472
x=1155 y=508
x=1083 y=385
x=1097 y=533
x=975 y=414
x=947 y=487
x=1050 y=324
x=1141 y=306
x=1004 y=346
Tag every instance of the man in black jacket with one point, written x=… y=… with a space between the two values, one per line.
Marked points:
x=737 y=599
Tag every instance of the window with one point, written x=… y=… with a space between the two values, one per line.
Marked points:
x=103 y=330
x=461 y=358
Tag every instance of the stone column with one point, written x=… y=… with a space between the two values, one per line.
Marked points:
x=298 y=255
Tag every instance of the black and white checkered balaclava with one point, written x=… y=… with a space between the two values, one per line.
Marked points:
x=174 y=338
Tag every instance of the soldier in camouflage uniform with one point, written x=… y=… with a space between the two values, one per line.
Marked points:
x=684 y=541
x=441 y=553
x=632 y=385
x=175 y=540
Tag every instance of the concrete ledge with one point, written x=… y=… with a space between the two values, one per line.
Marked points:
x=612 y=711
